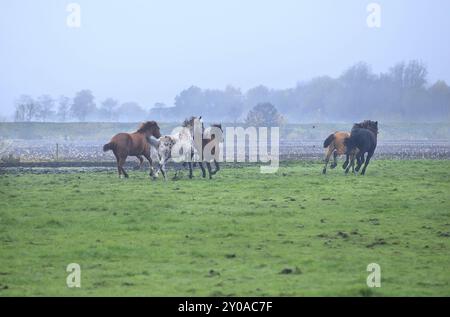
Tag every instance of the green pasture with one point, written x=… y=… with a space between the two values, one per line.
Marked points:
x=293 y=233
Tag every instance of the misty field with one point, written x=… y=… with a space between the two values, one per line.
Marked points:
x=295 y=232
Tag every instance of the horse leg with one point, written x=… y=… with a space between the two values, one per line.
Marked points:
x=352 y=163
x=369 y=156
x=121 y=163
x=208 y=166
x=360 y=161
x=119 y=170
x=202 y=168
x=334 y=164
x=327 y=159
x=216 y=164
x=190 y=169
x=141 y=161
x=150 y=161
x=345 y=165
x=163 y=171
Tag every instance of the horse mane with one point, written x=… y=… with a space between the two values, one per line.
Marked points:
x=188 y=122
x=217 y=125
x=208 y=131
x=146 y=126
x=367 y=124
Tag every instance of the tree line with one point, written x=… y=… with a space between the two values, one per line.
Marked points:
x=400 y=94
x=81 y=108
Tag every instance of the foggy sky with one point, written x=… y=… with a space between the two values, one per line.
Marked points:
x=148 y=51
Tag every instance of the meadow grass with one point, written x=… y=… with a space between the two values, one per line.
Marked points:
x=293 y=233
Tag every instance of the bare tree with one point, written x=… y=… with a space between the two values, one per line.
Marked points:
x=46 y=105
x=27 y=109
x=63 y=108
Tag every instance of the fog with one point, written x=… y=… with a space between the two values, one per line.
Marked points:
x=313 y=60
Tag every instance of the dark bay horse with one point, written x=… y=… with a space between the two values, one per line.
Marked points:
x=206 y=148
x=364 y=138
x=211 y=138
x=133 y=144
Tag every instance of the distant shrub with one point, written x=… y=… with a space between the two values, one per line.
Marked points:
x=10 y=159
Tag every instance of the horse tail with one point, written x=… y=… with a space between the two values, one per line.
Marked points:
x=107 y=147
x=328 y=140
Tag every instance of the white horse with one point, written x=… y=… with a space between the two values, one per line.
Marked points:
x=177 y=147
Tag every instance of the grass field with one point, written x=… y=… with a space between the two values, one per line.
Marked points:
x=292 y=233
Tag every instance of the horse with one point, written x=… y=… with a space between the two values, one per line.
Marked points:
x=164 y=146
x=196 y=128
x=335 y=144
x=133 y=144
x=211 y=138
x=364 y=138
x=178 y=147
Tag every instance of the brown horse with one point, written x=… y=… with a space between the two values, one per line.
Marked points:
x=133 y=144
x=335 y=144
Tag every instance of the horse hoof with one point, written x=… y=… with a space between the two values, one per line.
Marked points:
x=333 y=165
x=324 y=171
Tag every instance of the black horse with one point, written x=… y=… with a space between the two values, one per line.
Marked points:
x=365 y=140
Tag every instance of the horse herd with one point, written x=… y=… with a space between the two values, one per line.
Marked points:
x=147 y=142
x=361 y=140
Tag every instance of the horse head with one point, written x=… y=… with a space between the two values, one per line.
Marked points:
x=150 y=128
x=216 y=130
x=194 y=124
x=189 y=122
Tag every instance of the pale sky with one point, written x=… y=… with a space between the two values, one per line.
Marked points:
x=148 y=51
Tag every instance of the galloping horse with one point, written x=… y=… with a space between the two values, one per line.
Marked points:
x=207 y=148
x=335 y=144
x=363 y=137
x=133 y=144
x=196 y=128
x=211 y=137
x=178 y=147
